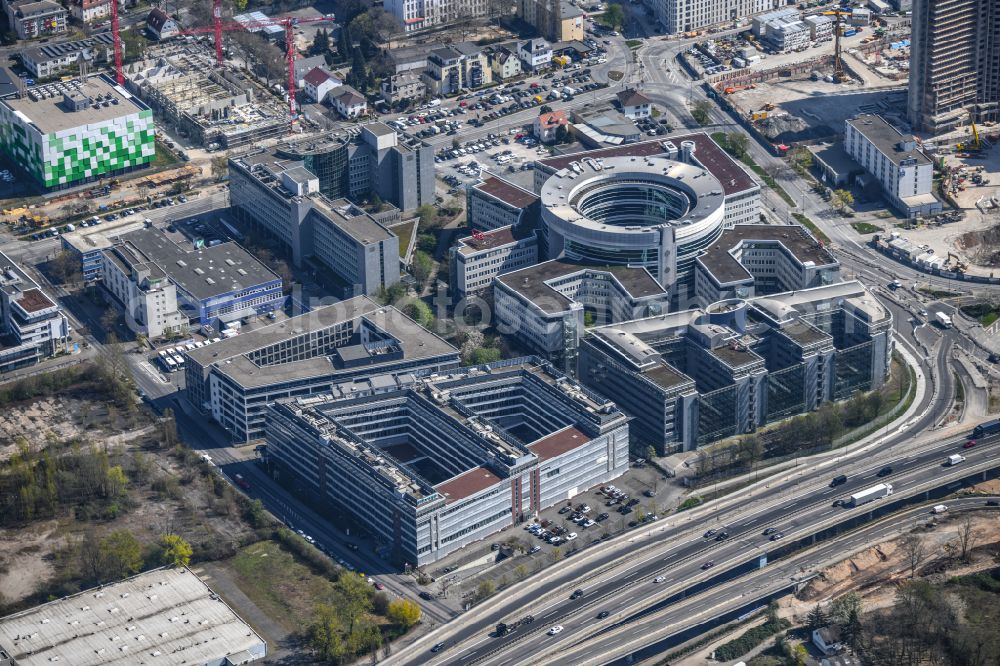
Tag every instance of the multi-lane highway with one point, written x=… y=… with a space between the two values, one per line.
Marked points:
x=678 y=556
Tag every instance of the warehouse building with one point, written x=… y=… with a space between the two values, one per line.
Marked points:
x=435 y=463
x=759 y=259
x=691 y=378
x=163 y=616
x=69 y=133
x=32 y=325
x=546 y=307
x=356 y=340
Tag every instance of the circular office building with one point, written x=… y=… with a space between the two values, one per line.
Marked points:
x=633 y=211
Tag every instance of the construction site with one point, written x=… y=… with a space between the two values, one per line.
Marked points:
x=216 y=107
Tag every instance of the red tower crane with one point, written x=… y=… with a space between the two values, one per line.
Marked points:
x=116 y=39
x=287 y=22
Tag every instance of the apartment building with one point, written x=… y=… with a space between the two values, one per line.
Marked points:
x=456 y=67
x=757 y=259
x=684 y=15
x=895 y=161
x=90 y=10
x=32 y=325
x=49 y=59
x=954 y=63
x=36 y=18
x=432 y=464
x=691 y=378
x=475 y=260
x=783 y=31
x=546 y=307
x=555 y=20
x=356 y=342
x=405 y=86
x=420 y=14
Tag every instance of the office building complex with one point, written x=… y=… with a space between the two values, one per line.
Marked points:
x=894 y=160
x=691 y=378
x=759 y=259
x=362 y=253
x=555 y=20
x=682 y=15
x=69 y=133
x=783 y=30
x=352 y=341
x=32 y=325
x=431 y=464
x=546 y=307
x=164 y=283
x=476 y=260
x=954 y=63
x=495 y=203
x=154 y=616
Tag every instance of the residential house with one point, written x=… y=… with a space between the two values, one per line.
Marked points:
x=160 y=25
x=535 y=54
x=555 y=20
x=349 y=102
x=634 y=104
x=546 y=127
x=828 y=639
x=504 y=63
x=41 y=18
x=318 y=83
x=406 y=86
x=90 y=10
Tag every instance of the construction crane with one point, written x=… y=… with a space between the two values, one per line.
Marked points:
x=976 y=144
x=286 y=22
x=838 y=64
x=116 y=40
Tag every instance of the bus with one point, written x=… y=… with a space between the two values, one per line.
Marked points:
x=983 y=429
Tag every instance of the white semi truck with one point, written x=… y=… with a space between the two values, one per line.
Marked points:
x=943 y=319
x=869 y=494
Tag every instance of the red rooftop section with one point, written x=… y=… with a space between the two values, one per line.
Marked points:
x=558 y=443
x=33 y=300
x=507 y=192
x=467 y=484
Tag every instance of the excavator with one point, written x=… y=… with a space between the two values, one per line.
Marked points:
x=731 y=89
x=838 y=64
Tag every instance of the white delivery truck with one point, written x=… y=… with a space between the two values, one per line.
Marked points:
x=955 y=459
x=869 y=494
x=939 y=508
x=943 y=319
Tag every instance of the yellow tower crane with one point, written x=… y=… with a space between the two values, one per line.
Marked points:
x=838 y=65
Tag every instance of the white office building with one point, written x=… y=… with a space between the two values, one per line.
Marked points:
x=895 y=161
x=683 y=15
x=32 y=325
x=477 y=259
x=420 y=14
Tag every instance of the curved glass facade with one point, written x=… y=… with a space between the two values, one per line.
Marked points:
x=630 y=202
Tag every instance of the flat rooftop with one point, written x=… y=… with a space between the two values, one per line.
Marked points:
x=718 y=257
x=887 y=139
x=558 y=443
x=467 y=484
x=203 y=272
x=709 y=155
x=532 y=282
x=489 y=240
x=43 y=105
x=229 y=356
x=506 y=192
x=665 y=376
x=33 y=300
x=60 y=50
x=354 y=221
x=803 y=333
x=146 y=619
x=736 y=357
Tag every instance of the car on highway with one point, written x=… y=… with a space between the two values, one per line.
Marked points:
x=838 y=502
x=708 y=565
x=602 y=615
x=378 y=586
x=885 y=471
x=992 y=502
x=659 y=579
x=709 y=534
x=969 y=444
x=770 y=530
x=426 y=596
x=437 y=648
x=776 y=536
x=722 y=536
x=576 y=594
x=555 y=630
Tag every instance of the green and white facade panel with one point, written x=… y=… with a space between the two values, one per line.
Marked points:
x=69 y=134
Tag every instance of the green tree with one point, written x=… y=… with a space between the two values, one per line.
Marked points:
x=325 y=635
x=556 y=554
x=344 y=44
x=738 y=143
x=817 y=618
x=220 y=167
x=321 y=42
x=115 y=482
x=614 y=16
x=121 y=555
x=841 y=200
x=701 y=112
x=801 y=159
x=355 y=596
x=423 y=266
x=485 y=590
x=176 y=551
x=520 y=572
x=427 y=217
x=650 y=452
x=844 y=607
x=562 y=134
x=484 y=355
x=403 y=612
x=418 y=311
x=358 y=76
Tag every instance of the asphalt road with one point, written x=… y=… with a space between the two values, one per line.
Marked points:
x=685 y=552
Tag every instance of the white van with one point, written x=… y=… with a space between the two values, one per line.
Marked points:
x=939 y=508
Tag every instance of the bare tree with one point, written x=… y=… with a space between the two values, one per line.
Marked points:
x=913 y=551
x=967 y=537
